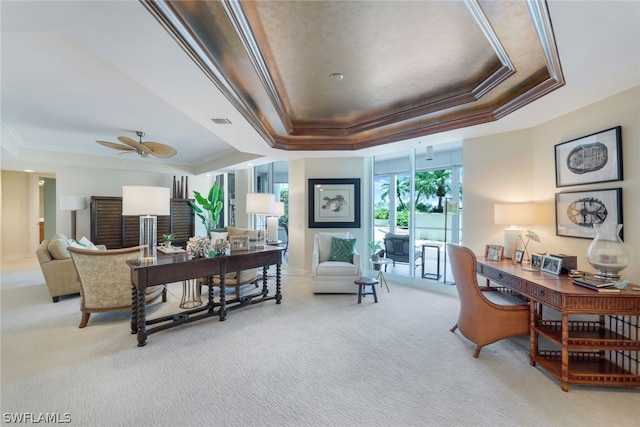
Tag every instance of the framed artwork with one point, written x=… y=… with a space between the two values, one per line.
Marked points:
x=590 y=159
x=334 y=203
x=551 y=264
x=536 y=261
x=577 y=211
x=239 y=243
x=494 y=252
x=517 y=256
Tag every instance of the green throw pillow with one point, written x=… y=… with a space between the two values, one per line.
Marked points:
x=342 y=249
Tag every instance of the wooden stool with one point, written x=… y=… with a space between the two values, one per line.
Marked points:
x=366 y=281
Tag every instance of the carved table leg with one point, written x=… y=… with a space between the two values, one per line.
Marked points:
x=134 y=309
x=278 y=292
x=142 y=318
x=223 y=302
x=565 y=353
x=265 y=289
x=533 y=335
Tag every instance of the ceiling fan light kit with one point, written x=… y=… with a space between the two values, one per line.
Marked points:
x=145 y=148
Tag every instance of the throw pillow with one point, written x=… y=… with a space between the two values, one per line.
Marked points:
x=342 y=249
x=58 y=249
x=87 y=244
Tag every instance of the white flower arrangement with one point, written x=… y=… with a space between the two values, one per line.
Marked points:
x=220 y=245
x=198 y=246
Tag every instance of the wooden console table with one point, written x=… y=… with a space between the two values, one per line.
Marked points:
x=178 y=267
x=601 y=351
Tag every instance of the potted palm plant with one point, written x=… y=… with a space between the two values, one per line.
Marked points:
x=208 y=208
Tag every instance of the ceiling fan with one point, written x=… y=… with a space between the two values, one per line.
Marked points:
x=142 y=148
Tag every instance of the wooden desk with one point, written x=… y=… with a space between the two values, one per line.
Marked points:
x=178 y=267
x=602 y=351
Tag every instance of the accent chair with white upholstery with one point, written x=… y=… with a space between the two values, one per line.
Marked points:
x=330 y=274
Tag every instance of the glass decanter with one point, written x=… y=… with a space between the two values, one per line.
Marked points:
x=607 y=253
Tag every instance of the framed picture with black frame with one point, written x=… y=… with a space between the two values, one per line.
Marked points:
x=577 y=211
x=334 y=203
x=590 y=159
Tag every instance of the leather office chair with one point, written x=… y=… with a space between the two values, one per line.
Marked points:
x=105 y=281
x=486 y=316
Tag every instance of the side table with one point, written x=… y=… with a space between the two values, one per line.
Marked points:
x=437 y=247
x=380 y=277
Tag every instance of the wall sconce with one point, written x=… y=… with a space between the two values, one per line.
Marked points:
x=73 y=204
x=148 y=203
x=513 y=214
x=262 y=205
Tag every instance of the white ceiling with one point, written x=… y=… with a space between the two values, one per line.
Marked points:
x=74 y=72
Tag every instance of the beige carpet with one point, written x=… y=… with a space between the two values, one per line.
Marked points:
x=318 y=360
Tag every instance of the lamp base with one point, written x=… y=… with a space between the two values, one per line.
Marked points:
x=148 y=252
x=511 y=236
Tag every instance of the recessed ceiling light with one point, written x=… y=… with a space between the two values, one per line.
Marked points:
x=221 y=121
x=29 y=170
x=336 y=76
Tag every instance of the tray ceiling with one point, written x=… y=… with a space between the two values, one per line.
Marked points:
x=327 y=75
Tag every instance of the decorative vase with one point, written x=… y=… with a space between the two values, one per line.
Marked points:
x=167 y=244
x=375 y=257
x=607 y=253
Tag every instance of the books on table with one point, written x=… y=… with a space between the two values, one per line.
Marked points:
x=596 y=284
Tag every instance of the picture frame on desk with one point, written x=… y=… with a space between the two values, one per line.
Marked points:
x=536 y=261
x=517 y=256
x=577 y=211
x=239 y=243
x=551 y=264
x=494 y=252
x=590 y=159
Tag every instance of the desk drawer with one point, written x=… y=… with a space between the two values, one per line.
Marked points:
x=544 y=295
x=506 y=279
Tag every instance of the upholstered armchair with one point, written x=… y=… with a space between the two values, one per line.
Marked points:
x=329 y=275
x=486 y=315
x=105 y=281
x=57 y=267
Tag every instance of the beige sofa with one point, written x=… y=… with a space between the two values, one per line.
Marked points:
x=57 y=267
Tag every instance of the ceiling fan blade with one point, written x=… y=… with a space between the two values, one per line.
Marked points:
x=115 y=146
x=160 y=150
x=134 y=144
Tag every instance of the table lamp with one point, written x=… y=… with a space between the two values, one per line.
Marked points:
x=73 y=204
x=513 y=215
x=262 y=205
x=148 y=203
x=272 y=223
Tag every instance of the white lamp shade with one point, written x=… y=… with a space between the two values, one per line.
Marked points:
x=140 y=200
x=514 y=214
x=279 y=209
x=72 y=203
x=261 y=203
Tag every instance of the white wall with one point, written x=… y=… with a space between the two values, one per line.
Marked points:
x=300 y=236
x=520 y=167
